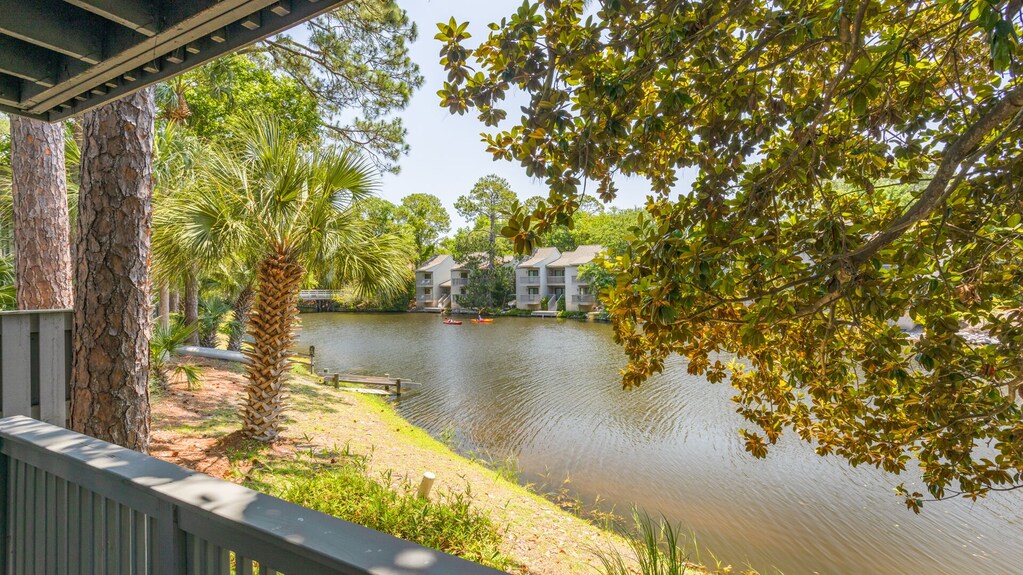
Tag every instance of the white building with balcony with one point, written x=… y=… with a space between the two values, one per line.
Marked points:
x=531 y=279
x=459 y=284
x=433 y=283
x=563 y=281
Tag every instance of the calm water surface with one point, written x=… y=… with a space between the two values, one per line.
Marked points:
x=547 y=393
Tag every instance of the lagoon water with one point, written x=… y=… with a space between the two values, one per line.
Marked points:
x=547 y=393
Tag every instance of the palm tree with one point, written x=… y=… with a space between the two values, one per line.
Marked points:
x=177 y=155
x=294 y=211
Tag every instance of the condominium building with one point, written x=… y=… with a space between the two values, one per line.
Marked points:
x=563 y=279
x=531 y=278
x=433 y=282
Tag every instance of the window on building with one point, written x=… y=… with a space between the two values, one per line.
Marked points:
x=533 y=273
x=533 y=291
x=428 y=291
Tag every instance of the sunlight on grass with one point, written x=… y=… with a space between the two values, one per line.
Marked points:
x=338 y=483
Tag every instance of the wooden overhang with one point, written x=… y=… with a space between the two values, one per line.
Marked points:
x=59 y=58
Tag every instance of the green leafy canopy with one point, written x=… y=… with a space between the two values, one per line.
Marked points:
x=855 y=161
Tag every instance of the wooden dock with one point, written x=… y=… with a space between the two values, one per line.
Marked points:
x=388 y=385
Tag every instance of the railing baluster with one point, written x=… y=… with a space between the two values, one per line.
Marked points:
x=74 y=539
x=87 y=532
x=139 y=543
x=50 y=535
x=62 y=518
x=5 y=511
x=99 y=531
x=169 y=542
x=20 y=518
x=30 y=519
x=242 y=565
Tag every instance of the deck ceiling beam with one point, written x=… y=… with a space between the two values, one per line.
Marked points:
x=10 y=90
x=70 y=56
x=132 y=14
x=56 y=26
x=28 y=61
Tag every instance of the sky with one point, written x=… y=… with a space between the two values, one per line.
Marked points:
x=447 y=156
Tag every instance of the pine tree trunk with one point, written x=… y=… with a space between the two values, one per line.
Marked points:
x=41 y=229
x=113 y=320
x=241 y=309
x=164 y=306
x=192 y=306
x=272 y=327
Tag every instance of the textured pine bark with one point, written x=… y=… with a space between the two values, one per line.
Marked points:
x=272 y=327
x=192 y=306
x=41 y=224
x=110 y=371
x=241 y=309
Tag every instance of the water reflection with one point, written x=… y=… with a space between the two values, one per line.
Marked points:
x=547 y=392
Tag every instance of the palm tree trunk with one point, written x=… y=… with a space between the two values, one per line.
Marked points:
x=41 y=226
x=241 y=309
x=175 y=301
x=192 y=306
x=272 y=327
x=164 y=306
x=113 y=320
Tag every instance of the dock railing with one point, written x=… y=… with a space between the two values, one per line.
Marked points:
x=35 y=364
x=78 y=505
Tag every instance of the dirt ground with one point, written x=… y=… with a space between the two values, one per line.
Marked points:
x=196 y=429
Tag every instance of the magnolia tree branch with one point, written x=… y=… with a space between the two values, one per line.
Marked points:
x=958 y=158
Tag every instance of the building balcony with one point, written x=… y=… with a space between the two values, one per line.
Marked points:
x=584 y=299
x=425 y=282
x=530 y=280
x=529 y=298
x=556 y=279
x=459 y=281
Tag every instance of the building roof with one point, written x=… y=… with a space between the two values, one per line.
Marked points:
x=499 y=260
x=581 y=255
x=540 y=256
x=63 y=57
x=434 y=262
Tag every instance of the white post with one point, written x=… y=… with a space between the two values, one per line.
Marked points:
x=426 y=485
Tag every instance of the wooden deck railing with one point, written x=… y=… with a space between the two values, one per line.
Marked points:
x=77 y=505
x=35 y=364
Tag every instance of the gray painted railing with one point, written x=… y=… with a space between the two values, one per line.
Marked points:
x=78 y=505
x=35 y=364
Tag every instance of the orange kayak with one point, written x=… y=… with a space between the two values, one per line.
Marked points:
x=484 y=320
